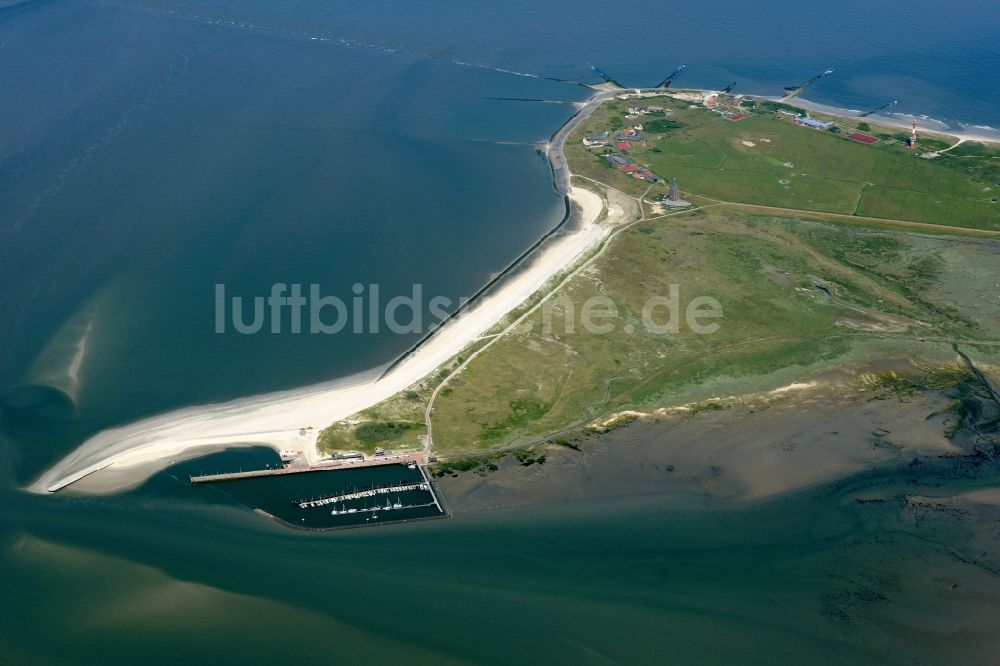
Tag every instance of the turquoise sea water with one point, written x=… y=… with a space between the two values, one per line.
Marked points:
x=150 y=149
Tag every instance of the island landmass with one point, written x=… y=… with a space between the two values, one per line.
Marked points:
x=831 y=242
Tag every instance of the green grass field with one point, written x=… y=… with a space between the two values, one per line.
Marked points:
x=778 y=325
x=798 y=295
x=766 y=161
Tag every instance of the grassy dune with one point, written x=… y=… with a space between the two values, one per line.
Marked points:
x=883 y=293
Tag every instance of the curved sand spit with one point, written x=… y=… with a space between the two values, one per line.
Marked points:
x=130 y=454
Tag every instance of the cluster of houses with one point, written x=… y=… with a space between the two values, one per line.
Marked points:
x=728 y=105
x=634 y=170
x=623 y=140
x=596 y=139
x=827 y=126
x=628 y=136
x=804 y=121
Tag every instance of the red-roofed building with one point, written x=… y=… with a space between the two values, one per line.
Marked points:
x=863 y=138
x=631 y=168
x=624 y=146
x=737 y=116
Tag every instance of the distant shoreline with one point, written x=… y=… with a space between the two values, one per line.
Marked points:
x=924 y=123
x=900 y=121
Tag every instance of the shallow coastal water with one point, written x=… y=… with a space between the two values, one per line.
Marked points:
x=161 y=146
x=244 y=159
x=811 y=575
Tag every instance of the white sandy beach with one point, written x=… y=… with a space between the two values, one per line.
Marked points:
x=291 y=420
x=898 y=120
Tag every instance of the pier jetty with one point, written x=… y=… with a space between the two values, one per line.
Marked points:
x=322 y=466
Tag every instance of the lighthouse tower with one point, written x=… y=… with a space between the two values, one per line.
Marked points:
x=913 y=135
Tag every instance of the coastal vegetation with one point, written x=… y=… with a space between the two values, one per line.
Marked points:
x=381 y=431
x=770 y=161
x=800 y=293
x=368 y=435
x=485 y=464
x=482 y=465
x=767 y=106
x=905 y=385
x=661 y=126
x=798 y=296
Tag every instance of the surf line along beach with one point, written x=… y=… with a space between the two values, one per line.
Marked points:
x=122 y=457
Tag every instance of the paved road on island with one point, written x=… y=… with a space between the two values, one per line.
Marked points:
x=557 y=157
